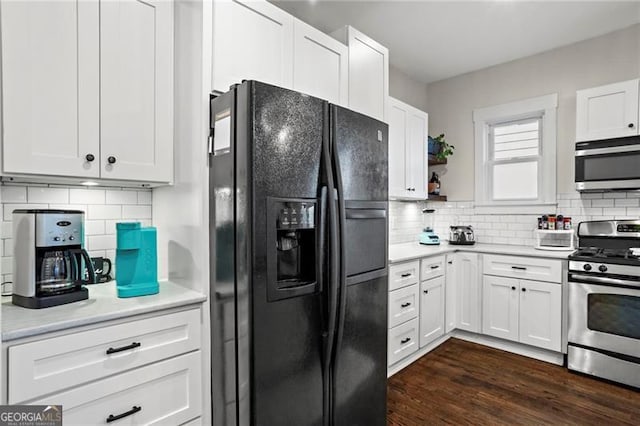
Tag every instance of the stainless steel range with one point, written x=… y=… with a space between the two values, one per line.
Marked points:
x=604 y=301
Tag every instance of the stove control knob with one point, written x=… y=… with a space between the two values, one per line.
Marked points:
x=602 y=268
x=587 y=267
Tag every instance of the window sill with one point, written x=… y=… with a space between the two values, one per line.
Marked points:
x=525 y=209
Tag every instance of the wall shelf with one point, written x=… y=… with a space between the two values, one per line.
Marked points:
x=434 y=161
x=434 y=197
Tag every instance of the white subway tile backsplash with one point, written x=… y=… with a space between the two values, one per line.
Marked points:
x=627 y=202
x=103 y=209
x=101 y=242
x=104 y=212
x=122 y=197
x=144 y=197
x=94 y=227
x=136 y=212
x=505 y=228
x=8 y=208
x=13 y=194
x=47 y=195
x=86 y=196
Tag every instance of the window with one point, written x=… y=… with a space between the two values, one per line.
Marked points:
x=515 y=153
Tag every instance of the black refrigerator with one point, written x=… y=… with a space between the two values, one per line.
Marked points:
x=298 y=243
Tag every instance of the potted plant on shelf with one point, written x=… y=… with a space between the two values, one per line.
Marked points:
x=440 y=148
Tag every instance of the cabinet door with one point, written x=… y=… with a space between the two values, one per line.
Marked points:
x=541 y=314
x=368 y=75
x=397 y=117
x=609 y=111
x=320 y=64
x=50 y=84
x=500 y=298
x=136 y=58
x=416 y=153
x=252 y=40
x=431 y=310
x=450 y=293
x=468 y=289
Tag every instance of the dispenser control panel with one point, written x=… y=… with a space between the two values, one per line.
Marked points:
x=296 y=215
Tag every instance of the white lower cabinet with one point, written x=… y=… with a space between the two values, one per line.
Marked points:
x=450 y=293
x=524 y=311
x=144 y=371
x=402 y=341
x=468 y=289
x=431 y=310
x=403 y=305
x=167 y=393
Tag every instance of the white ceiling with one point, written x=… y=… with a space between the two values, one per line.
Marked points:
x=433 y=40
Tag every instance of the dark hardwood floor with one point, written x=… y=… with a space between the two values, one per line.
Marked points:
x=465 y=383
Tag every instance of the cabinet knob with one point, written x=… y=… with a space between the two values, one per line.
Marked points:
x=631 y=125
x=111 y=160
x=524 y=289
x=426 y=291
x=513 y=287
x=90 y=157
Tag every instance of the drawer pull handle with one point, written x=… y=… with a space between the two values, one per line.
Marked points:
x=403 y=341
x=408 y=274
x=123 y=348
x=425 y=291
x=404 y=305
x=133 y=410
x=519 y=268
x=435 y=266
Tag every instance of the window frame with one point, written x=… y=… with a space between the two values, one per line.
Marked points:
x=544 y=107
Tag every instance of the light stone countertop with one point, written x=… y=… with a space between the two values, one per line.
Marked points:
x=409 y=251
x=103 y=305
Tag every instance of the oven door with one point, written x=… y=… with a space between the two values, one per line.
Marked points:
x=609 y=164
x=604 y=313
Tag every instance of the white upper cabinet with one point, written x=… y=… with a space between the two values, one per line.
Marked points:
x=320 y=64
x=408 y=129
x=136 y=45
x=252 y=40
x=609 y=111
x=368 y=73
x=50 y=99
x=88 y=89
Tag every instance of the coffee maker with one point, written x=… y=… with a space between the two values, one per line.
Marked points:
x=48 y=259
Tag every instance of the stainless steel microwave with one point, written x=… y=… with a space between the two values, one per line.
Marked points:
x=611 y=164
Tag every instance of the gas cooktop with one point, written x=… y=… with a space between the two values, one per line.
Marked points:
x=609 y=241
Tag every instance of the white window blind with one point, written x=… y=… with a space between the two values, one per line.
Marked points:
x=514 y=159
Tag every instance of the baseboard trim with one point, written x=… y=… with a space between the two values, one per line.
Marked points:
x=405 y=362
x=513 y=347
x=545 y=355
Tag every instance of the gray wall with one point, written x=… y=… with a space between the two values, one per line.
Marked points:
x=406 y=89
x=602 y=60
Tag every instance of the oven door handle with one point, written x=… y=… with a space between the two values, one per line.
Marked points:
x=605 y=280
x=610 y=150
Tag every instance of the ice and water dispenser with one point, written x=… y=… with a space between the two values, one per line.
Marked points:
x=292 y=248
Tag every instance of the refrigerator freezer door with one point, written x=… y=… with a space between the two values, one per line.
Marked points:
x=284 y=140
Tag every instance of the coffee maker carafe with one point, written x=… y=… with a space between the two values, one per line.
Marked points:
x=49 y=261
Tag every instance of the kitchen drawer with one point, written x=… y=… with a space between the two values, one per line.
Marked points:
x=523 y=267
x=167 y=393
x=402 y=341
x=403 y=304
x=403 y=274
x=51 y=365
x=431 y=267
